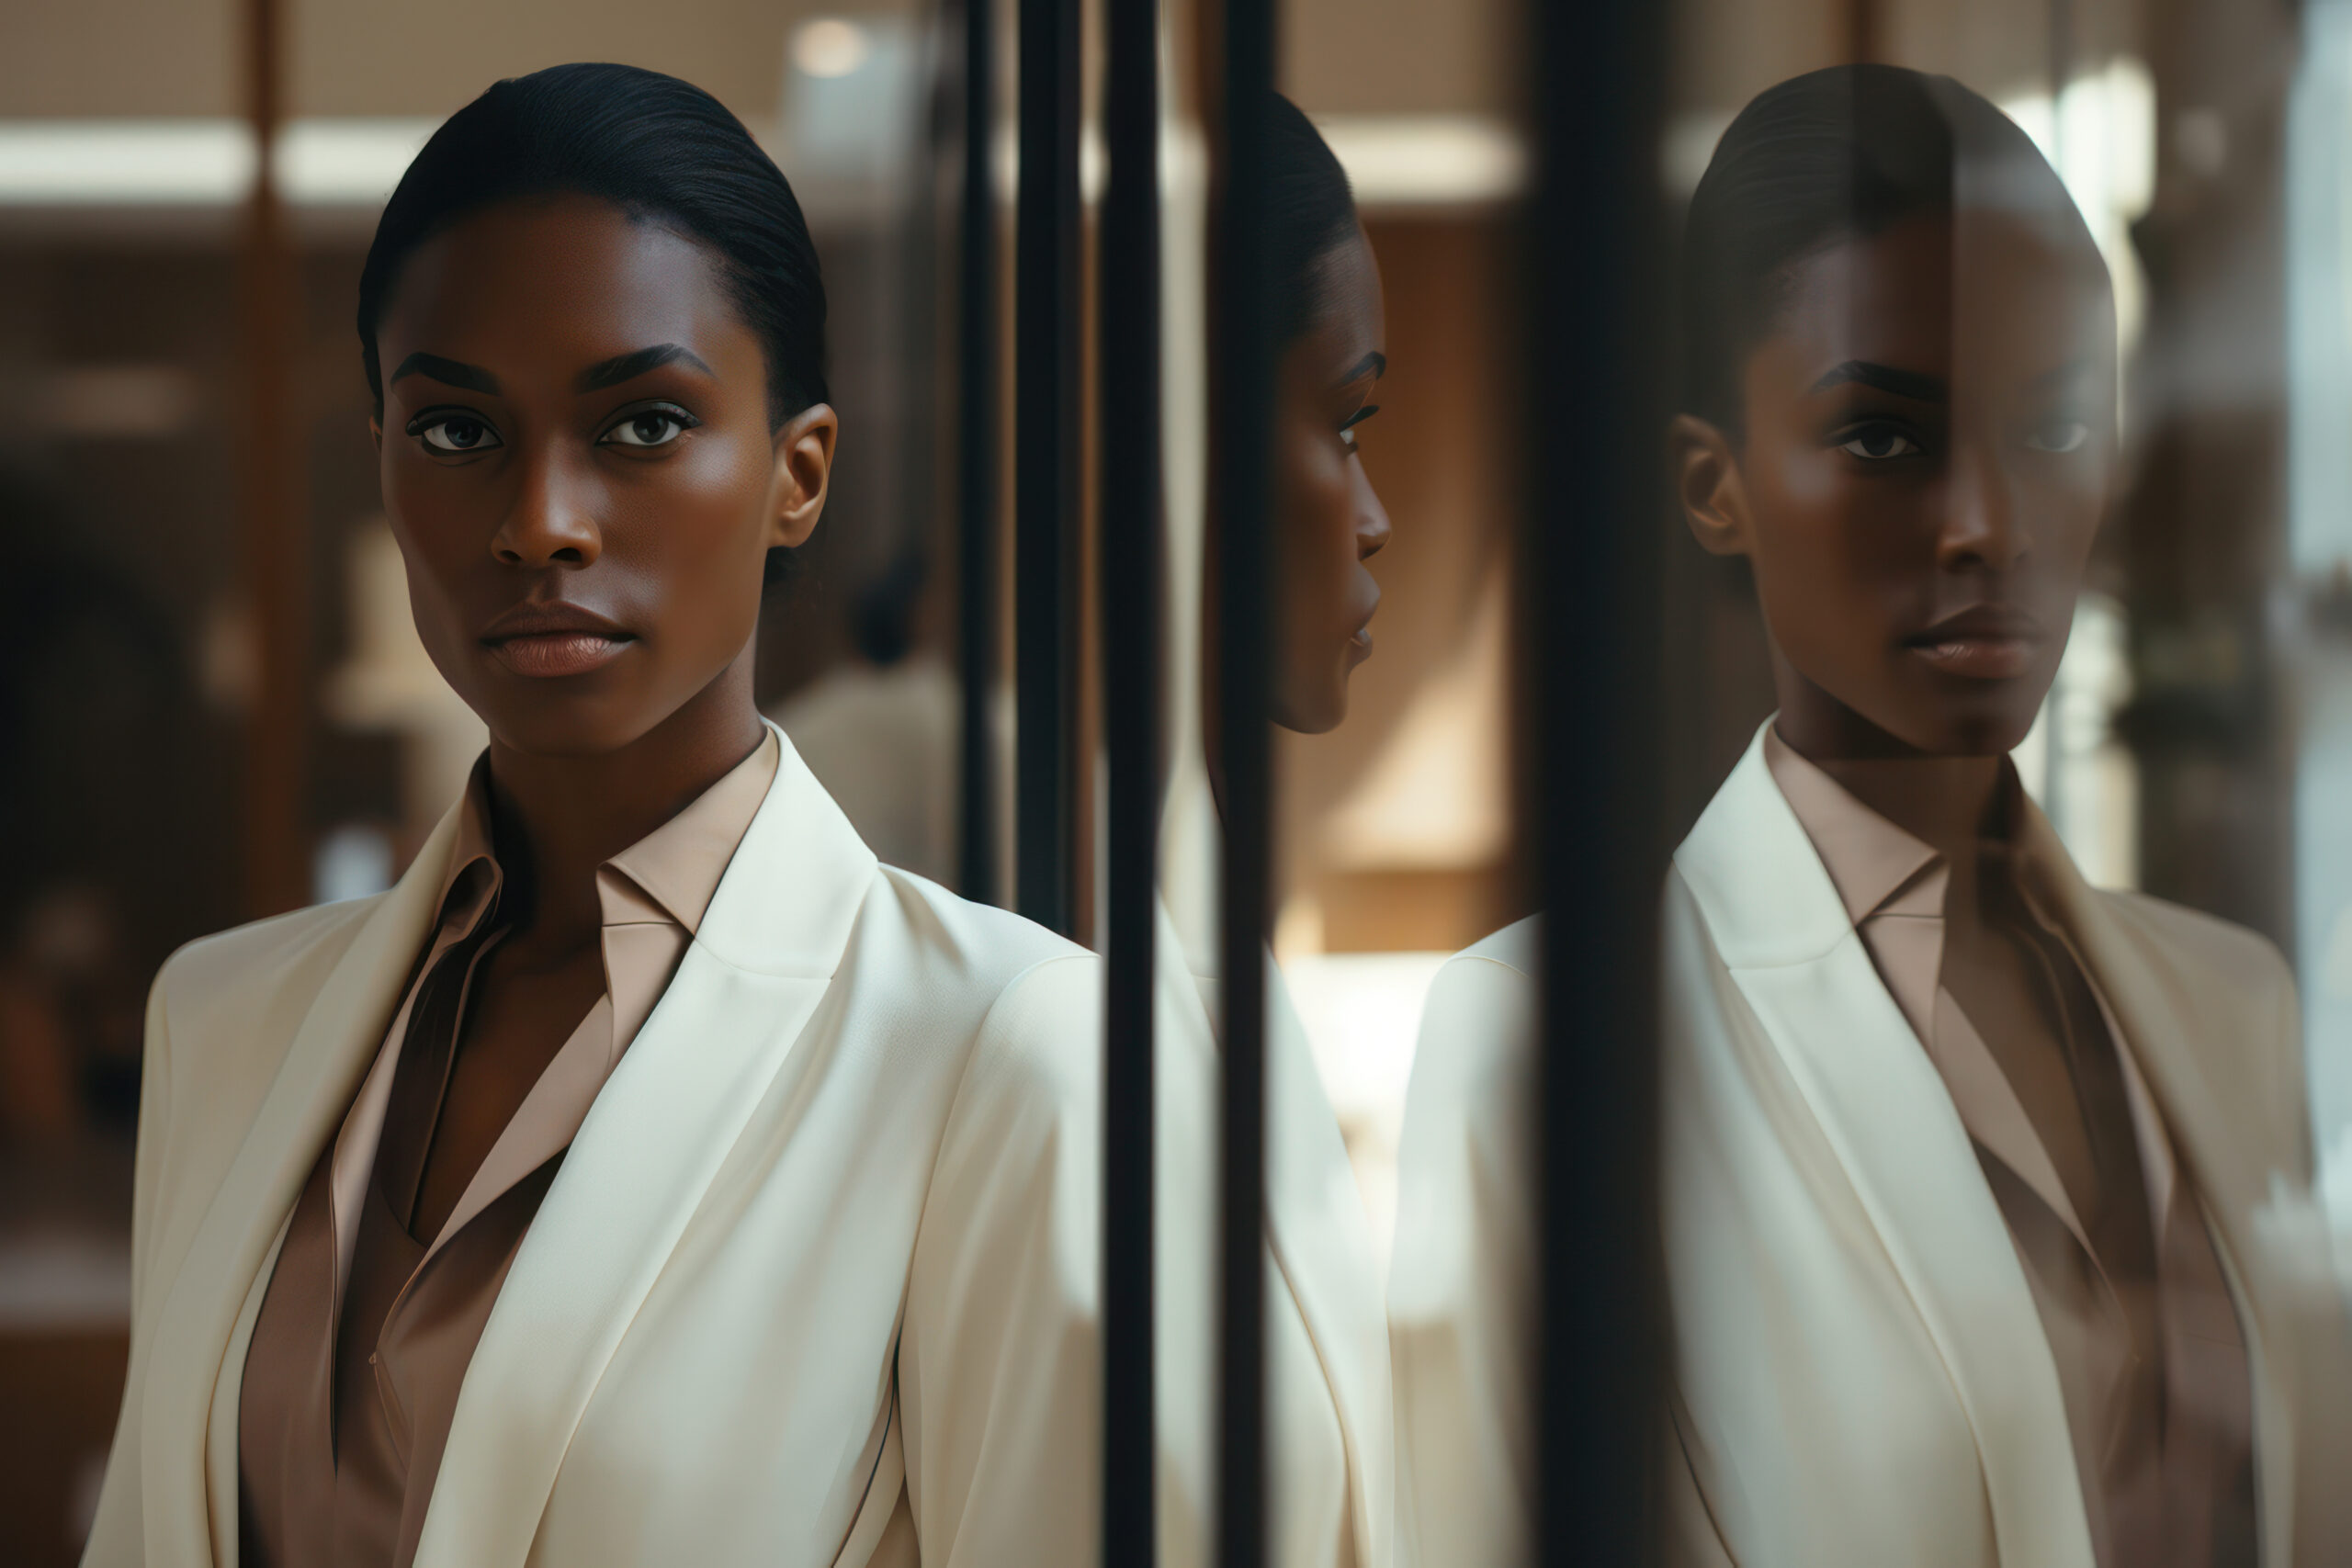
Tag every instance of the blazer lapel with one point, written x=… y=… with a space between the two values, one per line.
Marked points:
x=2180 y=1029
x=324 y=1064
x=1315 y=1219
x=653 y=1142
x=1776 y=921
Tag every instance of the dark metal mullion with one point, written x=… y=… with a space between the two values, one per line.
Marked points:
x=1046 y=462
x=1242 y=427
x=1591 y=636
x=980 y=426
x=1128 y=292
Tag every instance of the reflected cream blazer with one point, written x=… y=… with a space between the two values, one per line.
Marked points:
x=1861 y=1375
x=816 y=1284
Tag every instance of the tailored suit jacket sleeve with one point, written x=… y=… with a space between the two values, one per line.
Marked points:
x=1000 y=1367
x=1461 y=1276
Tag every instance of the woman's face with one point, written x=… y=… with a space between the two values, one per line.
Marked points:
x=1927 y=453
x=578 y=464
x=1327 y=522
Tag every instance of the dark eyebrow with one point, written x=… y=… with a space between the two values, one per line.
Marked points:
x=453 y=372
x=1886 y=379
x=1374 y=365
x=629 y=366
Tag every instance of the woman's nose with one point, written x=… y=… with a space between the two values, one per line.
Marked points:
x=1372 y=527
x=552 y=521
x=1980 y=526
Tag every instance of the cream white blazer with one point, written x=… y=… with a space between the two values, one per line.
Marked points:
x=1860 y=1376
x=816 y=1284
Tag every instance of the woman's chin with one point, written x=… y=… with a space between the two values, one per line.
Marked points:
x=557 y=728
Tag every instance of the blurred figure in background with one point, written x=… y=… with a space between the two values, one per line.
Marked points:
x=881 y=730
x=1984 y=1204
x=88 y=680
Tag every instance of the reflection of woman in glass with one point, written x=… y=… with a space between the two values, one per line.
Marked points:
x=1969 y=1168
x=650 y=1177
x=1330 y=1423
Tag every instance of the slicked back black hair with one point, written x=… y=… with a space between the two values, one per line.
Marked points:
x=663 y=151
x=1833 y=155
x=1311 y=212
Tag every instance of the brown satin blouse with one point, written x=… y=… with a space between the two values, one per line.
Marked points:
x=366 y=1329
x=2150 y=1355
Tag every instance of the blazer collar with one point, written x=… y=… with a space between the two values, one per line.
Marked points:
x=1777 y=922
x=700 y=1069
x=785 y=910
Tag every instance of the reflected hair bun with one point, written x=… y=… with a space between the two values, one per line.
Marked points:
x=1310 y=213
x=1837 y=154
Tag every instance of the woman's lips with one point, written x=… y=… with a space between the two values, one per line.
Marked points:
x=1360 y=646
x=1980 y=657
x=548 y=654
x=1984 y=642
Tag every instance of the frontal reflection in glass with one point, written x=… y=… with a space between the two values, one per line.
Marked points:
x=1983 y=1191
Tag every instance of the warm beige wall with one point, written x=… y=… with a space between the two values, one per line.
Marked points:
x=429 y=57
x=1400 y=56
x=363 y=57
x=117 y=57
x=1725 y=51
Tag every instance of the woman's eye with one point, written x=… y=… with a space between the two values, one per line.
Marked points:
x=1877 y=443
x=654 y=427
x=2058 y=436
x=457 y=435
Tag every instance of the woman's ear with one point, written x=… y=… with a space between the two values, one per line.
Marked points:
x=804 y=468
x=1706 y=482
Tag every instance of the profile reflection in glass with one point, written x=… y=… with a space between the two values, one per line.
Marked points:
x=1329 y=1410
x=1970 y=1179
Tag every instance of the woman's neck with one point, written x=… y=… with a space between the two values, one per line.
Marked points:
x=557 y=818
x=1949 y=803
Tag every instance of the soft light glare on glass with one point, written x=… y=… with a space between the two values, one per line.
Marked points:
x=829 y=47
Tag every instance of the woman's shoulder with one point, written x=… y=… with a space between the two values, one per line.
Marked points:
x=262 y=960
x=2200 y=947
x=990 y=947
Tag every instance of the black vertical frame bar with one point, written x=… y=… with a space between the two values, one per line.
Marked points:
x=1592 y=636
x=1241 y=432
x=1127 y=270
x=1046 y=462
x=978 y=429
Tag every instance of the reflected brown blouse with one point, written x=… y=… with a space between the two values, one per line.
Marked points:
x=366 y=1329
x=2150 y=1355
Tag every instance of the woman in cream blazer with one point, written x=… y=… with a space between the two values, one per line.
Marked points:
x=788 y=1254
